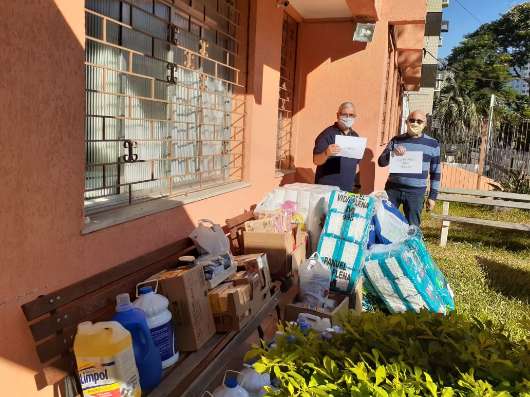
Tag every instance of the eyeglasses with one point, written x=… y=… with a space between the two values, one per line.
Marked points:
x=417 y=121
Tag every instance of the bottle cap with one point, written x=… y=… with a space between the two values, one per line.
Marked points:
x=145 y=290
x=231 y=382
x=123 y=302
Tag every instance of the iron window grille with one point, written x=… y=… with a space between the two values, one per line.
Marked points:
x=284 y=142
x=165 y=101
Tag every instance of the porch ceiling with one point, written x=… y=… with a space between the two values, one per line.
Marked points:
x=322 y=9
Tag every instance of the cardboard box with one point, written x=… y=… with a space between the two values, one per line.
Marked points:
x=259 y=293
x=292 y=310
x=187 y=292
x=284 y=250
x=230 y=304
x=256 y=263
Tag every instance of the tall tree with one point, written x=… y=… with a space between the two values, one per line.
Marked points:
x=491 y=57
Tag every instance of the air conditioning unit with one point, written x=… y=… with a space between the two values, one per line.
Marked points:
x=364 y=32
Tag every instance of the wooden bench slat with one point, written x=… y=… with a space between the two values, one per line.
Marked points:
x=55 y=372
x=490 y=193
x=218 y=350
x=46 y=303
x=86 y=307
x=475 y=200
x=483 y=222
x=202 y=379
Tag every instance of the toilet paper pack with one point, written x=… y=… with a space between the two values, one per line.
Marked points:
x=344 y=259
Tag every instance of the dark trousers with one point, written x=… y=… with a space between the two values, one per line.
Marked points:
x=412 y=201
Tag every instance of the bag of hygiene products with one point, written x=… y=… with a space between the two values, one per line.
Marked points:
x=315 y=278
x=399 y=275
x=343 y=243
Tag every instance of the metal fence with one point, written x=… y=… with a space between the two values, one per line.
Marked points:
x=491 y=152
x=164 y=110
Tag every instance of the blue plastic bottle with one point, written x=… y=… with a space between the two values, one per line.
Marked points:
x=146 y=354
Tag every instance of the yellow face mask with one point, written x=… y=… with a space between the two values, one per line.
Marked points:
x=415 y=129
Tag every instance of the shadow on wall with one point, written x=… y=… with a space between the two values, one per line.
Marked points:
x=316 y=50
x=509 y=281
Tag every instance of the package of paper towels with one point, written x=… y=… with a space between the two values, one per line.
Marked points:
x=311 y=200
x=400 y=277
x=343 y=243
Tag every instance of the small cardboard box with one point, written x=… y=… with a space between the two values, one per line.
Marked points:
x=283 y=250
x=259 y=293
x=187 y=293
x=230 y=304
x=256 y=263
x=292 y=310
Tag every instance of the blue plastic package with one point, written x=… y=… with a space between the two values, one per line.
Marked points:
x=400 y=278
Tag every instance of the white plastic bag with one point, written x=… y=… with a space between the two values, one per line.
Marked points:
x=209 y=238
x=389 y=224
x=315 y=278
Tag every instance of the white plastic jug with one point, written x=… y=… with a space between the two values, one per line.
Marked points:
x=230 y=387
x=105 y=360
x=253 y=382
x=319 y=324
x=155 y=307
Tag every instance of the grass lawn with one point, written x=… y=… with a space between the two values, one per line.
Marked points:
x=488 y=269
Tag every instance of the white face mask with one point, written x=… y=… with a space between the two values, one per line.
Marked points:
x=347 y=121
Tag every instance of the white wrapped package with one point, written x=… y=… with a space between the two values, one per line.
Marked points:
x=353 y=228
x=345 y=260
x=312 y=202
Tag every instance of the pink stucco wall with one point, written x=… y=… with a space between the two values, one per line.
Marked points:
x=333 y=69
x=42 y=152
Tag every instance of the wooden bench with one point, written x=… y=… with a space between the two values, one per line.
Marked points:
x=53 y=319
x=489 y=198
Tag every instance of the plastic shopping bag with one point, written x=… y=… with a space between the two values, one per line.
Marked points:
x=209 y=238
x=315 y=278
x=389 y=224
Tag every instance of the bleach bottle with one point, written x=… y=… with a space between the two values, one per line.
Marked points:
x=230 y=388
x=159 y=322
x=105 y=360
x=145 y=352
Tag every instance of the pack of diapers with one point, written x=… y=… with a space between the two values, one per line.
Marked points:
x=342 y=245
x=400 y=277
x=419 y=251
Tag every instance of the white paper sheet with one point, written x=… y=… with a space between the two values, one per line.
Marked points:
x=351 y=146
x=409 y=163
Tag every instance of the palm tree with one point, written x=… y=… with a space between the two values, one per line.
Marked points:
x=455 y=112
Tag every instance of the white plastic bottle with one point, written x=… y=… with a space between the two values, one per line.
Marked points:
x=253 y=382
x=230 y=388
x=155 y=307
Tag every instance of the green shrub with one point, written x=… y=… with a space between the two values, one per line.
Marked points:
x=399 y=355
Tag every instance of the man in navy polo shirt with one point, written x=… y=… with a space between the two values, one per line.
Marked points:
x=409 y=189
x=332 y=169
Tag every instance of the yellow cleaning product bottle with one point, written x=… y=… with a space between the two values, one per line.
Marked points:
x=105 y=360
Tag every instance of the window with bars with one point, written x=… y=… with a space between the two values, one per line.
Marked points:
x=393 y=93
x=284 y=146
x=164 y=99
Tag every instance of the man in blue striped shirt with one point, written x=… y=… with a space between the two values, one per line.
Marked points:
x=409 y=188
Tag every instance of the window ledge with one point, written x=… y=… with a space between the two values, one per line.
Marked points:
x=117 y=216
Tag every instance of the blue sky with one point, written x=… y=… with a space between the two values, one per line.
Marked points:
x=462 y=23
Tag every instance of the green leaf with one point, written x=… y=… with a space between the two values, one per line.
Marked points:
x=260 y=367
x=380 y=374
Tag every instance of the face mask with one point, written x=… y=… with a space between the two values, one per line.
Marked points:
x=415 y=129
x=347 y=121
